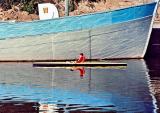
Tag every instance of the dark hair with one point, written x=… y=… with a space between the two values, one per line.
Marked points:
x=81 y=53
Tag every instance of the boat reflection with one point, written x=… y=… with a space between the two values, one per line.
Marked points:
x=61 y=90
x=153 y=65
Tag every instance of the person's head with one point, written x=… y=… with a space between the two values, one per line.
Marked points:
x=81 y=54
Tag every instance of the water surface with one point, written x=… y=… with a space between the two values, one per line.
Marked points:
x=125 y=90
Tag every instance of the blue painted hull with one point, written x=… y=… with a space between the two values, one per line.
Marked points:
x=121 y=33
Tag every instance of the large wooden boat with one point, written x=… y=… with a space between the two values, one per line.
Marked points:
x=122 y=33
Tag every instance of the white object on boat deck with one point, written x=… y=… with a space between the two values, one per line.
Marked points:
x=47 y=11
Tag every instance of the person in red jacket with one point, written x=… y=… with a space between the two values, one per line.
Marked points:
x=81 y=58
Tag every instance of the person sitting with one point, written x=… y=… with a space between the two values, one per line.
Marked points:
x=81 y=58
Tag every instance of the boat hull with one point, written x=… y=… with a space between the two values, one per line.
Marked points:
x=106 y=35
x=124 y=40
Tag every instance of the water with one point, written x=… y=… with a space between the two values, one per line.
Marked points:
x=35 y=90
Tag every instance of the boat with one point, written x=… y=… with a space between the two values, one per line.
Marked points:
x=85 y=64
x=116 y=34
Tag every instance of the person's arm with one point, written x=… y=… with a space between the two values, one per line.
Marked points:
x=79 y=59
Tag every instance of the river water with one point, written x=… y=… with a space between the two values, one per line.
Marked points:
x=131 y=89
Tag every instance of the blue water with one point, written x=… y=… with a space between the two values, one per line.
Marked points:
x=115 y=90
x=75 y=23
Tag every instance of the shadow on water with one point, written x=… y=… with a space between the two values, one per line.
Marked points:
x=35 y=90
x=19 y=107
x=153 y=65
x=152 y=59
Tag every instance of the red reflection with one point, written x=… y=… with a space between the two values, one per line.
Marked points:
x=81 y=71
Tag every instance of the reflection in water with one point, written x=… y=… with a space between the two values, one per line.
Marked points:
x=81 y=71
x=154 y=75
x=62 y=90
x=73 y=108
x=19 y=107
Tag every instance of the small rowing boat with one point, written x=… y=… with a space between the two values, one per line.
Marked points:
x=71 y=64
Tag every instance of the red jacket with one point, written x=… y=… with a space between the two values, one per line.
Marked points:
x=81 y=59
